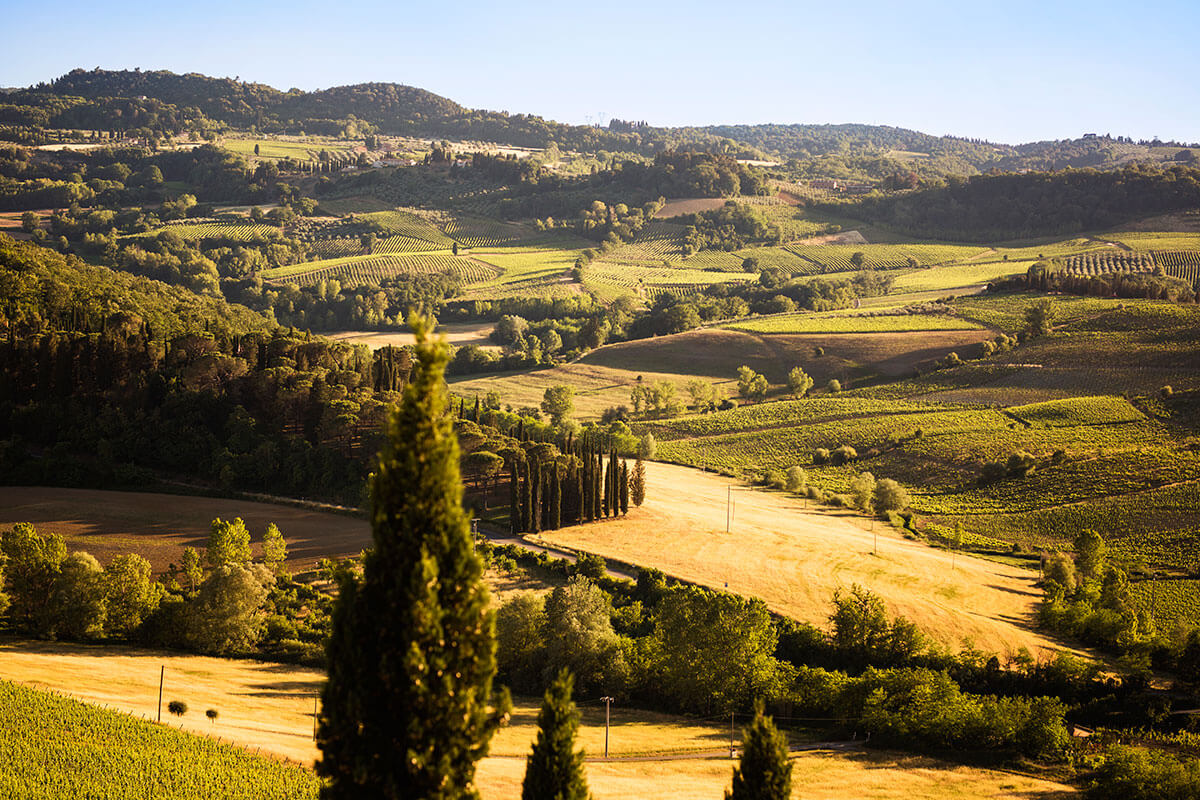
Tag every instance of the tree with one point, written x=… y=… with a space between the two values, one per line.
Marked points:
x=714 y=651
x=764 y=772
x=862 y=489
x=212 y=715
x=177 y=707
x=33 y=565
x=890 y=496
x=579 y=634
x=130 y=593
x=834 y=386
x=228 y=543
x=637 y=482
x=647 y=448
x=554 y=770
x=274 y=548
x=520 y=651
x=1090 y=550
x=78 y=598
x=799 y=382
x=408 y=707
x=797 y=479
x=1039 y=317
x=751 y=385
x=858 y=259
x=226 y=615
x=192 y=568
x=558 y=403
x=29 y=222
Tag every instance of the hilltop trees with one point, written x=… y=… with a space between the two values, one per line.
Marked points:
x=409 y=707
x=554 y=770
x=751 y=385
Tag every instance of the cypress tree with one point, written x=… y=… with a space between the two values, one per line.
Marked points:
x=527 y=497
x=537 y=490
x=623 y=485
x=637 y=482
x=514 y=502
x=607 y=488
x=764 y=772
x=408 y=707
x=555 y=497
x=478 y=410
x=597 y=487
x=554 y=770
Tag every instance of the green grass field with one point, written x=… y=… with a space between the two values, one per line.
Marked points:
x=54 y=748
x=284 y=148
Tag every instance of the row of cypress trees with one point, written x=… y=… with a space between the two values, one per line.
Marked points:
x=583 y=484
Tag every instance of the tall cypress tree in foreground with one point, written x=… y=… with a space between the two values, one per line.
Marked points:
x=554 y=770
x=764 y=772
x=408 y=708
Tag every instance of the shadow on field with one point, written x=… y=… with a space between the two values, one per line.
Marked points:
x=282 y=689
x=1010 y=590
x=885 y=760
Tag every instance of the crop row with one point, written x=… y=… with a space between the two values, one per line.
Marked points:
x=360 y=270
x=403 y=223
x=483 y=232
x=54 y=747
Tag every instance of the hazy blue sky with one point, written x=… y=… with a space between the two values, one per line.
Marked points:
x=1009 y=72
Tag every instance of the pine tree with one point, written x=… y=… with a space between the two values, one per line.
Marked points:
x=408 y=707
x=764 y=772
x=637 y=482
x=554 y=770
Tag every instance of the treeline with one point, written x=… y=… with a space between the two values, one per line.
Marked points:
x=688 y=649
x=221 y=601
x=100 y=368
x=1011 y=206
x=1051 y=277
x=673 y=173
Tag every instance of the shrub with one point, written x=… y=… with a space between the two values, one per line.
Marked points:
x=591 y=565
x=890 y=496
x=834 y=386
x=820 y=456
x=797 y=479
x=843 y=455
x=775 y=479
x=862 y=491
x=177 y=707
x=212 y=714
x=1020 y=464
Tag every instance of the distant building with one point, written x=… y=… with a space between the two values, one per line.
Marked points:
x=823 y=183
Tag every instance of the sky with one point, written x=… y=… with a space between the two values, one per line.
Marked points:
x=1008 y=72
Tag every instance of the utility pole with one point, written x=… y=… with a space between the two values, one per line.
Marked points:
x=315 y=697
x=607 y=717
x=732 y=749
x=474 y=531
x=162 y=671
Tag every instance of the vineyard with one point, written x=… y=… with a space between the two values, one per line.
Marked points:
x=636 y=278
x=200 y=230
x=1078 y=411
x=483 y=232
x=1102 y=262
x=956 y=276
x=54 y=747
x=837 y=258
x=1158 y=241
x=821 y=323
x=370 y=270
x=403 y=223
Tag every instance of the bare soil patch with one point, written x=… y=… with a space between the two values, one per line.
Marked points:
x=794 y=559
x=159 y=526
x=845 y=237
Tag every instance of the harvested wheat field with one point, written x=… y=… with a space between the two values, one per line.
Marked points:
x=458 y=334
x=718 y=352
x=795 y=559
x=269 y=707
x=160 y=526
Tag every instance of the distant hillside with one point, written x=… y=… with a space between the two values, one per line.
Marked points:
x=167 y=103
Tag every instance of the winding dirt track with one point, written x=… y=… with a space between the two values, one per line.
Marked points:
x=795 y=558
